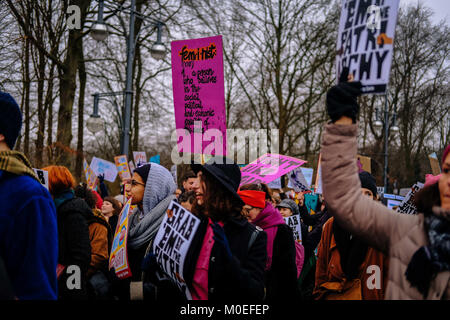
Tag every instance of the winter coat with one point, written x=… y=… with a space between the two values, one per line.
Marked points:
x=74 y=244
x=281 y=276
x=330 y=276
x=100 y=238
x=28 y=237
x=397 y=235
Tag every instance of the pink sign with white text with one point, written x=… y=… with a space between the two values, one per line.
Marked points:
x=199 y=95
x=268 y=167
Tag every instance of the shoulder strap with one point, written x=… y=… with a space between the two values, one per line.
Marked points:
x=253 y=237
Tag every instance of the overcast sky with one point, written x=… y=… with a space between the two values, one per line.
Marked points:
x=441 y=8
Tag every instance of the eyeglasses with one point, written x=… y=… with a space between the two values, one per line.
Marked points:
x=246 y=210
x=135 y=183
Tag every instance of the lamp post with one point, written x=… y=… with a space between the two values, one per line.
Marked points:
x=389 y=124
x=99 y=32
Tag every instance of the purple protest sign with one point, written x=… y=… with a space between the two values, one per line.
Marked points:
x=199 y=95
x=268 y=167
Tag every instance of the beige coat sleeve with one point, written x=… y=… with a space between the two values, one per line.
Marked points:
x=362 y=216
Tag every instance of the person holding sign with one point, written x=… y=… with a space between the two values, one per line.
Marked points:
x=28 y=226
x=281 y=267
x=418 y=244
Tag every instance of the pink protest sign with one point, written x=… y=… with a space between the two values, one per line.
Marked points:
x=199 y=95
x=268 y=167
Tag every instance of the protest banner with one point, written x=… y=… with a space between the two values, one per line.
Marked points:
x=100 y=166
x=139 y=158
x=172 y=242
x=407 y=205
x=268 y=167
x=199 y=95
x=434 y=163
x=365 y=42
x=122 y=167
x=131 y=166
x=364 y=163
x=295 y=224
x=318 y=183
x=43 y=176
x=275 y=184
x=311 y=202
x=91 y=178
x=297 y=180
x=155 y=159
x=119 y=256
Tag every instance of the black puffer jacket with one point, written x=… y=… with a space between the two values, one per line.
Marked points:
x=74 y=245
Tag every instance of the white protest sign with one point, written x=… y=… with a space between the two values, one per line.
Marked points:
x=131 y=166
x=297 y=181
x=43 y=176
x=295 y=224
x=172 y=243
x=100 y=166
x=139 y=158
x=365 y=42
x=407 y=205
x=318 y=184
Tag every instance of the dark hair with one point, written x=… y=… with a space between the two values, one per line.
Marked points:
x=115 y=204
x=218 y=203
x=187 y=196
x=83 y=192
x=426 y=198
x=188 y=175
x=259 y=187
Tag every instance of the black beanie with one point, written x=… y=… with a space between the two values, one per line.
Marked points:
x=368 y=182
x=10 y=119
x=342 y=100
x=143 y=171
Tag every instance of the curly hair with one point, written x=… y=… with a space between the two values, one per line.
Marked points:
x=218 y=203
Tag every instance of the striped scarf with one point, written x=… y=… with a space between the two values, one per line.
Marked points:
x=16 y=163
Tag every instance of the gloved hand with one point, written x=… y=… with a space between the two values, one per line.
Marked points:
x=101 y=178
x=149 y=263
x=221 y=239
x=341 y=99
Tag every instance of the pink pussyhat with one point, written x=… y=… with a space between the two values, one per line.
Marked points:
x=429 y=178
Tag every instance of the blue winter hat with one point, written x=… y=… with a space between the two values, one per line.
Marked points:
x=10 y=119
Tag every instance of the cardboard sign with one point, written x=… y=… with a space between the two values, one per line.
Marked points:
x=297 y=180
x=268 y=167
x=434 y=163
x=100 y=166
x=91 y=178
x=295 y=224
x=199 y=95
x=131 y=166
x=122 y=167
x=364 y=163
x=119 y=257
x=365 y=41
x=43 y=176
x=318 y=183
x=407 y=205
x=139 y=158
x=172 y=243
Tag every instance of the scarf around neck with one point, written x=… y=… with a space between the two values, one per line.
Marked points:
x=268 y=220
x=16 y=163
x=429 y=260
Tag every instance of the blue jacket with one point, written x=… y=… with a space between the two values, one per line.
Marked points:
x=28 y=237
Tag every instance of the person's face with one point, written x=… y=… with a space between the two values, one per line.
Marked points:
x=301 y=199
x=137 y=189
x=367 y=192
x=444 y=184
x=250 y=212
x=199 y=188
x=188 y=185
x=286 y=212
x=187 y=206
x=177 y=193
x=107 y=209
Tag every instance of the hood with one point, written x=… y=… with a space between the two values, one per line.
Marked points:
x=159 y=186
x=268 y=217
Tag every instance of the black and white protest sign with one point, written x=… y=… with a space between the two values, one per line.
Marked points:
x=295 y=224
x=407 y=205
x=172 y=243
x=298 y=181
x=43 y=176
x=365 y=41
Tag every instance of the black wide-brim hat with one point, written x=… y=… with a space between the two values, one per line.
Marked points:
x=224 y=171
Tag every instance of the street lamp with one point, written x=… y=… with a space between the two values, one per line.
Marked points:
x=99 y=32
x=389 y=124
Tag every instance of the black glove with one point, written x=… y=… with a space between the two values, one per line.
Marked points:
x=149 y=263
x=341 y=99
x=221 y=239
x=101 y=178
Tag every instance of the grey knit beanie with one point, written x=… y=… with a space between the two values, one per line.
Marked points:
x=290 y=204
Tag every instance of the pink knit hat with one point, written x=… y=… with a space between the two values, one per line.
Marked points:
x=429 y=178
